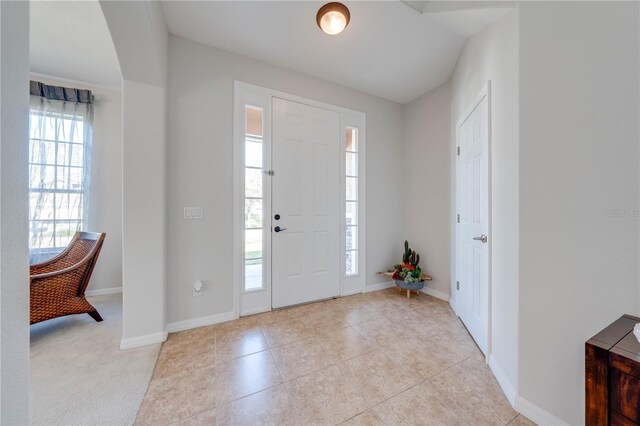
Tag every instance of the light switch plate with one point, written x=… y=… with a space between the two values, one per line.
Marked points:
x=193 y=212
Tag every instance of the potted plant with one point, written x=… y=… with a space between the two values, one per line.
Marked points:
x=408 y=275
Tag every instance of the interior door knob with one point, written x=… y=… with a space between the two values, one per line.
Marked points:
x=482 y=238
x=278 y=229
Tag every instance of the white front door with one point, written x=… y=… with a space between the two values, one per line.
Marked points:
x=305 y=217
x=472 y=301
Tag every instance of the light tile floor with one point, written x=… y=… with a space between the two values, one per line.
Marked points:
x=375 y=358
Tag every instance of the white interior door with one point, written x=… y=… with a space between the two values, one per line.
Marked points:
x=472 y=301
x=306 y=198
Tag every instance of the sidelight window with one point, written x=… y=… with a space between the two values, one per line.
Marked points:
x=351 y=200
x=253 y=199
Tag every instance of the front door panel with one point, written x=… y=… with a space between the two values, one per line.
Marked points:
x=306 y=195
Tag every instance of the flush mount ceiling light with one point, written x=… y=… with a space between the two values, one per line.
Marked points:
x=332 y=18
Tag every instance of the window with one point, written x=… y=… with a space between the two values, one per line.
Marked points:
x=57 y=178
x=253 y=200
x=351 y=200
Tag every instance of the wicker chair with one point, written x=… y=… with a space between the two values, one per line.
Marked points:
x=58 y=284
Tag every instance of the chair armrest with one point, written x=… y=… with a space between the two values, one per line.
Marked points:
x=60 y=255
x=66 y=270
x=56 y=273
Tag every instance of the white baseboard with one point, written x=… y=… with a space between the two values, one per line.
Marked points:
x=536 y=414
x=103 y=291
x=503 y=381
x=379 y=286
x=150 y=339
x=147 y=339
x=531 y=411
x=201 y=322
x=435 y=293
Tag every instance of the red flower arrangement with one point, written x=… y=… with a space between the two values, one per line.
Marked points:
x=408 y=271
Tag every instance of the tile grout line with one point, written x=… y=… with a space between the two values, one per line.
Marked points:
x=216 y=406
x=293 y=402
x=135 y=421
x=435 y=322
x=409 y=388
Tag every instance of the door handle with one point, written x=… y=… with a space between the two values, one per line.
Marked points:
x=482 y=238
x=278 y=229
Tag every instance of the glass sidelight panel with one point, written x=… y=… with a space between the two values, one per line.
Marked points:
x=352 y=188
x=351 y=202
x=351 y=264
x=253 y=202
x=253 y=274
x=352 y=213
x=352 y=238
x=253 y=153
x=352 y=139
x=252 y=244
x=254 y=117
x=253 y=183
x=253 y=213
x=352 y=164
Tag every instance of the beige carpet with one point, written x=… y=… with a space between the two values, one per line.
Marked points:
x=79 y=375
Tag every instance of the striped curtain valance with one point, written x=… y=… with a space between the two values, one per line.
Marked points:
x=59 y=93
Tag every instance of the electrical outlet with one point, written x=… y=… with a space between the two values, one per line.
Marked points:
x=192 y=213
x=198 y=288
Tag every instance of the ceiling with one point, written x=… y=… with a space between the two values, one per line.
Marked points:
x=392 y=49
x=70 y=40
x=463 y=17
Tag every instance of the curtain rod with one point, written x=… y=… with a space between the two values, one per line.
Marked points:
x=60 y=93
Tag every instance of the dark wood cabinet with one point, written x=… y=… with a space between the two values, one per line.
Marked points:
x=612 y=375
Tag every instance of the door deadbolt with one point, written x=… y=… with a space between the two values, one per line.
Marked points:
x=277 y=216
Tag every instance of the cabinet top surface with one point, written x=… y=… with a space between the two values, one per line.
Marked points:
x=630 y=344
x=619 y=331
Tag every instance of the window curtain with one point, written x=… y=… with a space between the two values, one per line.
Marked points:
x=61 y=135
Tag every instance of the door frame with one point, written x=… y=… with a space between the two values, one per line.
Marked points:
x=485 y=92
x=246 y=93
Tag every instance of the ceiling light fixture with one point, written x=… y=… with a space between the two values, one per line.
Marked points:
x=333 y=18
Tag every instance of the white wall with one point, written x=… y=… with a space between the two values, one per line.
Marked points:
x=426 y=189
x=564 y=152
x=579 y=136
x=144 y=213
x=201 y=163
x=492 y=55
x=140 y=37
x=105 y=203
x=105 y=206
x=14 y=210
